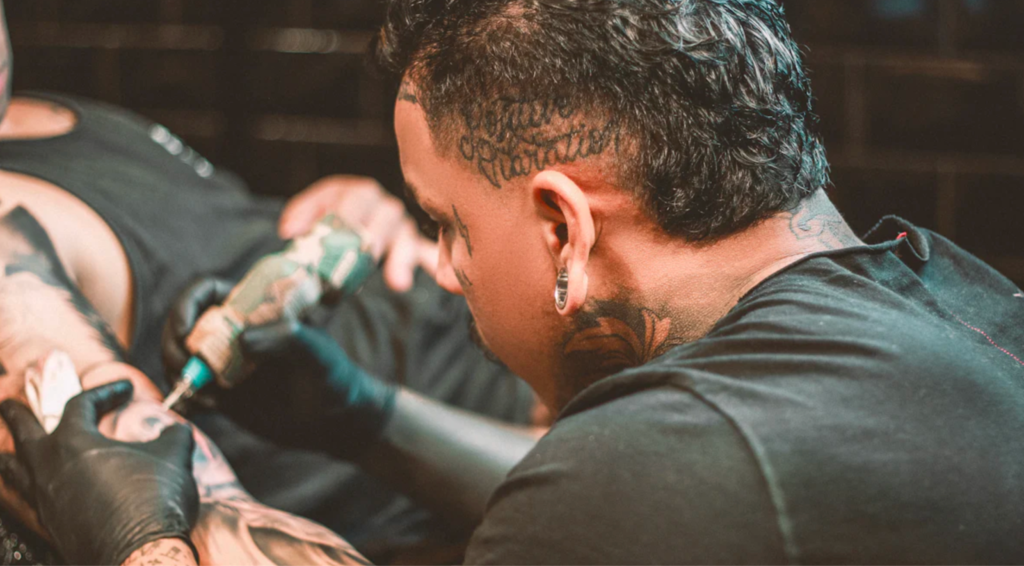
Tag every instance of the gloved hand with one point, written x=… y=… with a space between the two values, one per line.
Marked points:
x=307 y=393
x=192 y=302
x=101 y=499
x=304 y=392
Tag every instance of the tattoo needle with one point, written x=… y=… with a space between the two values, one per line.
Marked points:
x=195 y=375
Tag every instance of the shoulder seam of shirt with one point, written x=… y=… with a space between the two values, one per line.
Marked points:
x=782 y=521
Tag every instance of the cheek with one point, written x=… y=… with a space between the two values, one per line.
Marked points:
x=512 y=304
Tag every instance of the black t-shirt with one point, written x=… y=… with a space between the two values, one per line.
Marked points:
x=860 y=406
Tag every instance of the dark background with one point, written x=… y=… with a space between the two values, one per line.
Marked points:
x=922 y=101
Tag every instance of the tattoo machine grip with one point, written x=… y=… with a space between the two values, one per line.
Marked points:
x=329 y=262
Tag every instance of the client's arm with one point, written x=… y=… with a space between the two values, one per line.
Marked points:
x=234 y=528
x=308 y=394
x=41 y=310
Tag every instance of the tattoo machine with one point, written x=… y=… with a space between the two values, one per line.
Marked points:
x=329 y=262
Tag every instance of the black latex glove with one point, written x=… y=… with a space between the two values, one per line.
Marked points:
x=101 y=499
x=192 y=302
x=306 y=393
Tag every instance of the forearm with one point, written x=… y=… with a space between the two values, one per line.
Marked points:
x=233 y=528
x=163 y=552
x=447 y=459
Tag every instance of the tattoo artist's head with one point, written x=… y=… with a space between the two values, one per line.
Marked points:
x=591 y=136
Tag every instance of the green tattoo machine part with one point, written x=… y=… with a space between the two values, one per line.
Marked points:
x=329 y=262
x=194 y=376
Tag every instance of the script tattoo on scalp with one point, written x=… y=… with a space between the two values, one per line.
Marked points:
x=512 y=137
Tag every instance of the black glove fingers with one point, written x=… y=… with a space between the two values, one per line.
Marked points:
x=271 y=339
x=17 y=476
x=101 y=499
x=173 y=352
x=25 y=428
x=200 y=295
x=321 y=346
x=191 y=303
x=85 y=409
x=175 y=444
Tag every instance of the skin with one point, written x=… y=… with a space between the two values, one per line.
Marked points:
x=512 y=218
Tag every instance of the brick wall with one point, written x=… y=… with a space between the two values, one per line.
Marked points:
x=922 y=101
x=922 y=107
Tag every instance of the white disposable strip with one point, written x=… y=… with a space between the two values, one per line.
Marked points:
x=49 y=389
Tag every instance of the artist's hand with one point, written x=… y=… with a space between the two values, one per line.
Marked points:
x=101 y=499
x=364 y=203
x=306 y=393
x=192 y=302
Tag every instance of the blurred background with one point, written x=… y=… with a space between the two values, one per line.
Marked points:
x=921 y=101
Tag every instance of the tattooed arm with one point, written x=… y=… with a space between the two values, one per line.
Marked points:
x=163 y=552
x=41 y=310
x=234 y=528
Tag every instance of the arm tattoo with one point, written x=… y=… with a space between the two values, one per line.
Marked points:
x=233 y=528
x=610 y=336
x=463 y=230
x=34 y=277
x=163 y=552
x=511 y=138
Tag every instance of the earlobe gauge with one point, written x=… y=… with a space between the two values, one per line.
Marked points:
x=562 y=289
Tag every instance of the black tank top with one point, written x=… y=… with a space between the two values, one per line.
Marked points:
x=175 y=214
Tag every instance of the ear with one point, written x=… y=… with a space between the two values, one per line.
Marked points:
x=568 y=228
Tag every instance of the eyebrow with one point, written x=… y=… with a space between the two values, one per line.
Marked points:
x=411 y=191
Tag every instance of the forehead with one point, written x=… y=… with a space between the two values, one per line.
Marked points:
x=414 y=144
x=432 y=177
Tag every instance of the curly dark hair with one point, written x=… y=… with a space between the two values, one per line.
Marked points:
x=706 y=101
